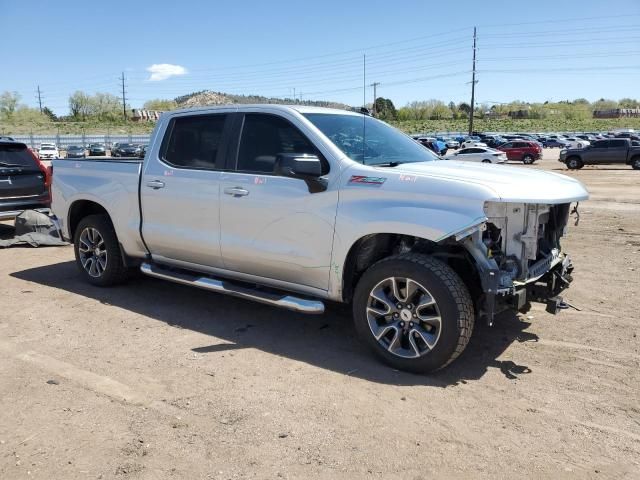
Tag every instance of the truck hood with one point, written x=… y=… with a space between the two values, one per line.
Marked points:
x=508 y=183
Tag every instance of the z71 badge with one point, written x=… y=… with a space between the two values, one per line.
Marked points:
x=364 y=180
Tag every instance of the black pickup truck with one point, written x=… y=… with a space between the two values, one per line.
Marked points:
x=602 y=152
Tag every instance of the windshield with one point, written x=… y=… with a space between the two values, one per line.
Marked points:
x=370 y=141
x=47 y=147
x=74 y=147
x=125 y=145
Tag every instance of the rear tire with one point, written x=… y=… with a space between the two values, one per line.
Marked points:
x=414 y=312
x=635 y=163
x=97 y=251
x=528 y=159
x=574 y=163
x=486 y=160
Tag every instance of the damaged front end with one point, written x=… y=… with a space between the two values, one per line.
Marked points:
x=519 y=256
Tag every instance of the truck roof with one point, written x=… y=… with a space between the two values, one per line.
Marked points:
x=270 y=106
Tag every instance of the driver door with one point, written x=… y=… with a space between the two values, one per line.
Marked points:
x=272 y=226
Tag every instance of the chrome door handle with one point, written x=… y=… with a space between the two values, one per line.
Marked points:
x=236 y=191
x=155 y=184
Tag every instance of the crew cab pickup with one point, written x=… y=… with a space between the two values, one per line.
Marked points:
x=602 y=152
x=294 y=206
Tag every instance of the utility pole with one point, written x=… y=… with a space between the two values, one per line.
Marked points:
x=124 y=100
x=473 y=83
x=374 y=85
x=40 y=98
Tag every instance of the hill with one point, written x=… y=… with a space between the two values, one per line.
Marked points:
x=208 y=97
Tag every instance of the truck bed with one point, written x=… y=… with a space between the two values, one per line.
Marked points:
x=112 y=183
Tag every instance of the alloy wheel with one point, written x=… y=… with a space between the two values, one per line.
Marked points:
x=404 y=317
x=92 y=251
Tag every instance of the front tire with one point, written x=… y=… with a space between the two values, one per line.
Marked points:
x=486 y=160
x=414 y=312
x=97 y=251
x=574 y=163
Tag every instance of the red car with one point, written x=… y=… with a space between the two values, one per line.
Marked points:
x=521 y=150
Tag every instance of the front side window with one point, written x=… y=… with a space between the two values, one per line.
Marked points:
x=369 y=141
x=264 y=137
x=195 y=141
x=617 y=143
x=601 y=144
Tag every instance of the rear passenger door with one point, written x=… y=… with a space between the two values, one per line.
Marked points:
x=618 y=149
x=180 y=190
x=272 y=226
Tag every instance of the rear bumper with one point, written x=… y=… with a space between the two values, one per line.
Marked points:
x=12 y=208
x=10 y=215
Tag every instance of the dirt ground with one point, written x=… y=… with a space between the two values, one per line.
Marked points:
x=155 y=380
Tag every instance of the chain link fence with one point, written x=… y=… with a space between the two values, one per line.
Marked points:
x=63 y=141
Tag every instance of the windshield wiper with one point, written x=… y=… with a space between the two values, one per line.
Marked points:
x=386 y=164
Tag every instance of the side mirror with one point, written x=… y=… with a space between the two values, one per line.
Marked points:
x=302 y=166
x=298 y=165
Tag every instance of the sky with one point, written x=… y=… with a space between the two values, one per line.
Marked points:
x=416 y=50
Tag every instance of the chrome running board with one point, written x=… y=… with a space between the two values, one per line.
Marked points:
x=224 y=286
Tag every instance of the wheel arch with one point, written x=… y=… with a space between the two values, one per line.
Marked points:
x=81 y=209
x=372 y=248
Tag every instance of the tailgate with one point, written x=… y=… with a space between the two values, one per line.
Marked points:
x=17 y=182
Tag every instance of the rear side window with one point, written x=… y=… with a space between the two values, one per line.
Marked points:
x=266 y=136
x=617 y=143
x=16 y=156
x=601 y=144
x=194 y=142
x=507 y=145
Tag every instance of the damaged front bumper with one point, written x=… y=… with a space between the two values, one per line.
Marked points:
x=544 y=288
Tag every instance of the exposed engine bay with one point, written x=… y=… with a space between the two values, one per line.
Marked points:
x=519 y=255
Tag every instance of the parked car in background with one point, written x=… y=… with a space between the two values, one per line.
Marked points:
x=577 y=142
x=318 y=205
x=75 y=151
x=521 y=150
x=143 y=150
x=629 y=135
x=48 y=151
x=125 y=150
x=449 y=142
x=472 y=143
x=5 y=138
x=97 y=150
x=478 y=154
x=554 y=143
x=433 y=144
x=493 y=141
x=24 y=180
x=603 y=152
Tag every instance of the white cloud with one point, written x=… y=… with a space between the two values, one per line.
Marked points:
x=162 y=71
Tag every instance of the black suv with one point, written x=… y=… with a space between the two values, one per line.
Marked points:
x=24 y=180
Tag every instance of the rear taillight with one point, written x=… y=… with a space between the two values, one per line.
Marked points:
x=46 y=171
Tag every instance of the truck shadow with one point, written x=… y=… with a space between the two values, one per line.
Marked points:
x=327 y=341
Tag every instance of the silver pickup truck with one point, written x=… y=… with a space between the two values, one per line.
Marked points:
x=294 y=206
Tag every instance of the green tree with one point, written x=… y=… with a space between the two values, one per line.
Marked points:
x=79 y=105
x=160 y=105
x=385 y=109
x=628 y=103
x=49 y=113
x=9 y=103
